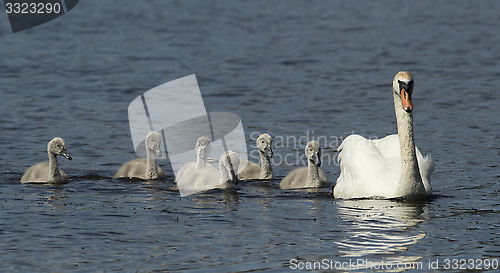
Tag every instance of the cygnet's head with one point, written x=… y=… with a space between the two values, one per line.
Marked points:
x=203 y=147
x=57 y=146
x=402 y=85
x=231 y=162
x=313 y=152
x=153 y=143
x=264 y=144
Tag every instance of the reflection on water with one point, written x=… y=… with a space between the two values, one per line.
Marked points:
x=380 y=227
x=210 y=201
x=42 y=196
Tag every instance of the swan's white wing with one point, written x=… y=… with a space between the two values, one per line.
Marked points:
x=427 y=167
x=364 y=170
x=194 y=181
x=372 y=168
x=295 y=179
x=207 y=178
x=389 y=147
x=251 y=171
x=187 y=168
x=36 y=174
x=133 y=168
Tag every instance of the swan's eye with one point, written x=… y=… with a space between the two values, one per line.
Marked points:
x=408 y=87
x=58 y=145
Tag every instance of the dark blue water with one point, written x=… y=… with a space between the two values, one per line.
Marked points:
x=297 y=70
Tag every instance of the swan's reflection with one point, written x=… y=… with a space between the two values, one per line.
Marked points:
x=156 y=194
x=214 y=200
x=380 y=227
x=43 y=195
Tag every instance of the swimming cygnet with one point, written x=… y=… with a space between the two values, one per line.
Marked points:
x=264 y=171
x=144 y=168
x=203 y=149
x=310 y=176
x=208 y=178
x=49 y=172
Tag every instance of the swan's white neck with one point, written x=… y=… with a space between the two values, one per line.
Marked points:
x=225 y=177
x=312 y=174
x=410 y=182
x=200 y=162
x=152 y=167
x=53 y=167
x=266 y=171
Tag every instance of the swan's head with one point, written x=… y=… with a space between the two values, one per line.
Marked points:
x=313 y=152
x=402 y=85
x=230 y=161
x=57 y=146
x=264 y=144
x=203 y=147
x=153 y=142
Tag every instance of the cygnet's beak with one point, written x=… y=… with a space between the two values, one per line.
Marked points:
x=270 y=152
x=406 y=101
x=317 y=160
x=232 y=173
x=158 y=151
x=203 y=153
x=66 y=155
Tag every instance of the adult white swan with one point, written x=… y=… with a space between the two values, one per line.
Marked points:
x=144 y=168
x=391 y=167
x=264 y=171
x=49 y=172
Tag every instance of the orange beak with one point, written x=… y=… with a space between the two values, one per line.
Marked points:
x=406 y=101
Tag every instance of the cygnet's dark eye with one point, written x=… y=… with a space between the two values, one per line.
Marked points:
x=58 y=145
